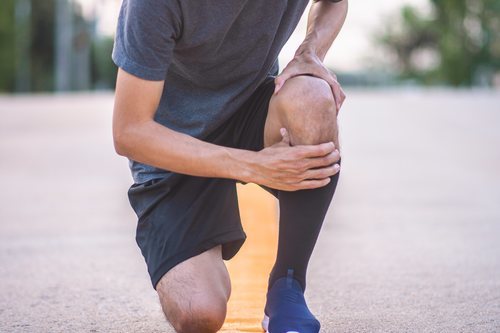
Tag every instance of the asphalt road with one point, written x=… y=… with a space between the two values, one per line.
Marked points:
x=411 y=242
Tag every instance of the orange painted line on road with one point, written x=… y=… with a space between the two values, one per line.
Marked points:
x=250 y=268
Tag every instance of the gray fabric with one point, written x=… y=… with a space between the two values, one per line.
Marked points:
x=212 y=55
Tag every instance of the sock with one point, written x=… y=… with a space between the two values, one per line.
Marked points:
x=301 y=217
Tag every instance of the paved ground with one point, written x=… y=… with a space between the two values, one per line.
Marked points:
x=411 y=244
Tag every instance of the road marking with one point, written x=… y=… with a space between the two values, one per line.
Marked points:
x=250 y=268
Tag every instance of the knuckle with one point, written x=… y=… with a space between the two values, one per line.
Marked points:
x=330 y=159
x=327 y=173
x=315 y=150
x=323 y=150
x=308 y=164
x=327 y=160
x=297 y=168
x=302 y=176
x=314 y=184
x=298 y=153
x=335 y=157
x=303 y=166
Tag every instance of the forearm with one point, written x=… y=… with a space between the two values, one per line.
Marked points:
x=154 y=144
x=139 y=137
x=324 y=24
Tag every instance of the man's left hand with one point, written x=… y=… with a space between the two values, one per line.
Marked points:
x=309 y=64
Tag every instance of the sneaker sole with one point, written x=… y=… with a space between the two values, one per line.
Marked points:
x=265 y=325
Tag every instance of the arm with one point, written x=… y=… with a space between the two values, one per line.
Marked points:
x=324 y=24
x=137 y=136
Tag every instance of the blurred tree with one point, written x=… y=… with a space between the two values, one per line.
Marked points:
x=27 y=49
x=42 y=45
x=103 y=68
x=17 y=53
x=7 y=46
x=457 y=44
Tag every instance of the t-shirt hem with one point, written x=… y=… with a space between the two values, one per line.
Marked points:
x=124 y=62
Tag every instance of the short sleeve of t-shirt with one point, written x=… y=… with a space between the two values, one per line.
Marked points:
x=145 y=37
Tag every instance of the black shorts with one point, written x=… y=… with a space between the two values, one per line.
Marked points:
x=182 y=216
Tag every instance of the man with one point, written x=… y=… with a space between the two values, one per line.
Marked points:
x=199 y=107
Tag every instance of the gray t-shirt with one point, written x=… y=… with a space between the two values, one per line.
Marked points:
x=212 y=55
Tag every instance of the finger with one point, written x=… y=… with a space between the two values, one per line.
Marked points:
x=311 y=184
x=337 y=95
x=315 y=150
x=327 y=160
x=331 y=78
x=280 y=80
x=277 y=84
x=322 y=172
x=343 y=96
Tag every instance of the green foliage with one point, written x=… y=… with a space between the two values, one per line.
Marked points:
x=42 y=45
x=39 y=31
x=103 y=68
x=461 y=37
x=7 y=47
x=37 y=58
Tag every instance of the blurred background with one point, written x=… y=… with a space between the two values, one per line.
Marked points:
x=64 y=45
x=410 y=244
x=56 y=45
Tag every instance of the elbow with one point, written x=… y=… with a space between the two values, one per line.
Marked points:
x=121 y=142
x=120 y=146
x=128 y=137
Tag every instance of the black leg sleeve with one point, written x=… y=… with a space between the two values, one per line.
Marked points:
x=301 y=217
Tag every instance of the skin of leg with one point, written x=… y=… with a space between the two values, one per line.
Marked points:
x=194 y=293
x=306 y=108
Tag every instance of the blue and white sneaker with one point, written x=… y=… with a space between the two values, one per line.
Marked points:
x=286 y=310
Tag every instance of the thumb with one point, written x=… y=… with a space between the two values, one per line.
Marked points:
x=279 y=81
x=285 y=137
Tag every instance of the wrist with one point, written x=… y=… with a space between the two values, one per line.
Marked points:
x=240 y=165
x=309 y=50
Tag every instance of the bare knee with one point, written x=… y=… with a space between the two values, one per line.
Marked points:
x=307 y=110
x=194 y=293
x=198 y=312
x=200 y=317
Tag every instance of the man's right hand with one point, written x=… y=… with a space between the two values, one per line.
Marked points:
x=291 y=168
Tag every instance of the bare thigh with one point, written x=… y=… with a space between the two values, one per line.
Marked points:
x=195 y=292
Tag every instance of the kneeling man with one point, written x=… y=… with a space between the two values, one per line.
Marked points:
x=200 y=106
